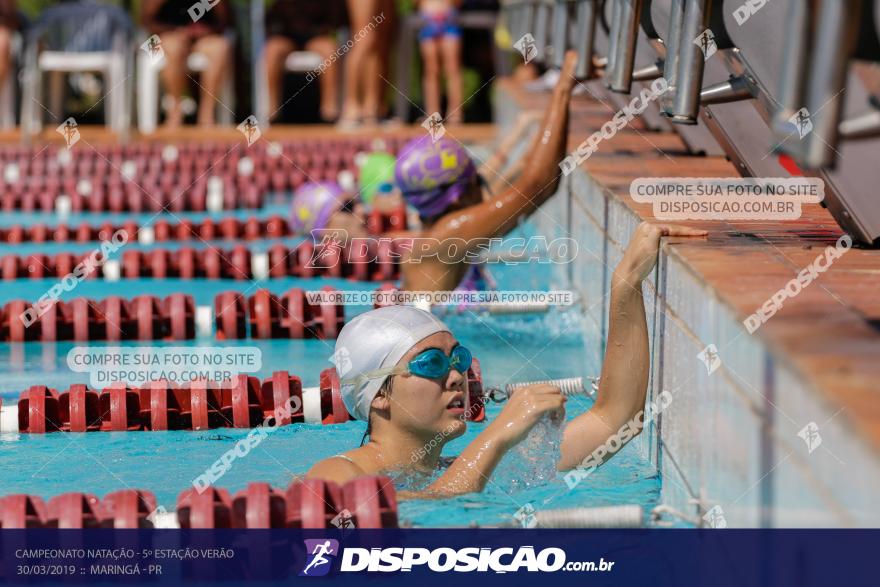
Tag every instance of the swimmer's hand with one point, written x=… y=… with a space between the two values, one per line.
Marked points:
x=641 y=254
x=524 y=409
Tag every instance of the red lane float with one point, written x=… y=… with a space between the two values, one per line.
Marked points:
x=371 y=501
x=113 y=319
x=265 y=315
x=476 y=407
x=22 y=512
x=74 y=511
x=258 y=506
x=149 y=177
x=243 y=402
x=210 y=508
x=229 y=228
x=127 y=509
x=366 y=502
x=312 y=503
x=147 y=317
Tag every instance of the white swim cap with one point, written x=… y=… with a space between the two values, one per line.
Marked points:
x=374 y=340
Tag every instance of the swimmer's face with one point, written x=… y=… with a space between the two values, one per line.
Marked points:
x=423 y=405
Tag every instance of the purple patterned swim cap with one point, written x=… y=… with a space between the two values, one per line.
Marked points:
x=433 y=176
x=313 y=205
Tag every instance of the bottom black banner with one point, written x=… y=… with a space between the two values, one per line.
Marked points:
x=434 y=557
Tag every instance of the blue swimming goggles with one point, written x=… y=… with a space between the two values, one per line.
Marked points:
x=430 y=364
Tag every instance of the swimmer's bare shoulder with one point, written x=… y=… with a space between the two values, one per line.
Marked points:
x=340 y=468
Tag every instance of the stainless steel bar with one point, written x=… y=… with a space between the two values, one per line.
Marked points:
x=542 y=19
x=689 y=73
x=795 y=56
x=648 y=73
x=585 y=34
x=838 y=26
x=560 y=32
x=866 y=126
x=732 y=90
x=670 y=62
x=627 y=36
x=616 y=12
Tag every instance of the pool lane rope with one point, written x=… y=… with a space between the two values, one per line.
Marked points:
x=377 y=261
x=367 y=502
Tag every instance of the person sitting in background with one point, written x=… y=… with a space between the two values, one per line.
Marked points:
x=310 y=25
x=180 y=36
x=440 y=41
x=9 y=23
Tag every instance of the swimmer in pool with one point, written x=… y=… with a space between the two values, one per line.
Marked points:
x=439 y=180
x=325 y=205
x=404 y=373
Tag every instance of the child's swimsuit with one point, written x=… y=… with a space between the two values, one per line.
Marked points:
x=439 y=25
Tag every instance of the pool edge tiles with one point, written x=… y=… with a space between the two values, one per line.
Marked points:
x=729 y=439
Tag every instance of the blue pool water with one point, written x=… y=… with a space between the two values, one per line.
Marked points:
x=510 y=348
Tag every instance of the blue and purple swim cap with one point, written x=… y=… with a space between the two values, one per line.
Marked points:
x=433 y=175
x=313 y=205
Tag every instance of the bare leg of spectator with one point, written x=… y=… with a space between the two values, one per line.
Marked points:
x=5 y=52
x=388 y=32
x=451 y=48
x=431 y=75
x=277 y=50
x=360 y=14
x=325 y=47
x=216 y=48
x=176 y=46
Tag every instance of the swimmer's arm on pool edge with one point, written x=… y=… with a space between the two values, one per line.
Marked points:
x=537 y=182
x=624 y=382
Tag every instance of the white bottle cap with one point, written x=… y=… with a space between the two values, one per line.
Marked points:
x=312 y=405
x=11 y=173
x=204 y=321
x=63 y=205
x=246 y=166
x=146 y=235
x=169 y=153
x=260 y=265
x=112 y=270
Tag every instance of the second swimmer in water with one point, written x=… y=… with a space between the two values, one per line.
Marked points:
x=440 y=181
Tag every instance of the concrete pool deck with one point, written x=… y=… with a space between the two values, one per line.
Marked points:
x=730 y=439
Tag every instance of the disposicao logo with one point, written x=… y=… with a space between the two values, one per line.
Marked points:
x=321 y=553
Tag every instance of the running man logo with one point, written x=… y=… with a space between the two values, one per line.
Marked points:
x=810 y=435
x=68 y=129
x=344 y=520
x=250 y=129
x=714 y=518
x=321 y=553
x=341 y=358
x=802 y=121
x=434 y=125
x=327 y=251
x=527 y=46
x=709 y=357
x=153 y=48
x=526 y=516
x=706 y=43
